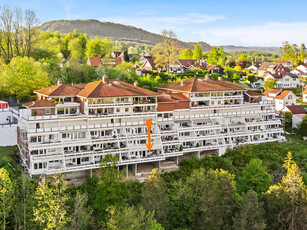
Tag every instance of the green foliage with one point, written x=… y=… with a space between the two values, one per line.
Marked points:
x=242 y=57
x=130 y=219
x=288 y=120
x=6 y=196
x=22 y=76
x=186 y=54
x=51 y=199
x=270 y=83
x=217 y=202
x=154 y=196
x=216 y=56
x=293 y=53
x=110 y=190
x=254 y=177
x=251 y=214
x=197 y=53
x=303 y=127
x=126 y=57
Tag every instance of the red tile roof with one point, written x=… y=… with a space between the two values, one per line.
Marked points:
x=95 y=61
x=280 y=94
x=113 y=88
x=61 y=90
x=165 y=99
x=296 y=109
x=200 y=85
x=253 y=93
x=39 y=104
x=187 y=62
x=179 y=97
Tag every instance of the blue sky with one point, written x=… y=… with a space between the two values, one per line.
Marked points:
x=221 y=22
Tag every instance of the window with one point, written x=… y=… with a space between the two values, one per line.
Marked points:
x=47 y=111
x=290 y=97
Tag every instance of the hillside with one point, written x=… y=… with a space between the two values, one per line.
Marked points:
x=114 y=31
x=251 y=48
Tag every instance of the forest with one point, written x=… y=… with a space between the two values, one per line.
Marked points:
x=252 y=187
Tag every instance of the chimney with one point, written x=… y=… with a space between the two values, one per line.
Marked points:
x=136 y=84
x=207 y=77
x=219 y=78
x=104 y=79
x=60 y=82
x=181 y=82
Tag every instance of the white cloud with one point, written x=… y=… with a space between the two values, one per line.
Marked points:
x=270 y=34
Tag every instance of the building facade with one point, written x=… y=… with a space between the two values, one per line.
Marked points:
x=85 y=122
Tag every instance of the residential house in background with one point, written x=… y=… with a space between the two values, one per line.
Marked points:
x=268 y=67
x=298 y=72
x=144 y=58
x=302 y=69
x=215 y=69
x=281 y=98
x=252 y=69
x=8 y=124
x=116 y=54
x=287 y=64
x=97 y=61
x=284 y=81
x=252 y=96
x=183 y=65
x=148 y=65
x=297 y=111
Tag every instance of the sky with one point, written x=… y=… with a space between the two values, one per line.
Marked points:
x=219 y=22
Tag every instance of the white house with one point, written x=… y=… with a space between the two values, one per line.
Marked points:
x=286 y=64
x=284 y=81
x=281 y=98
x=8 y=125
x=297 y=111
x=302 y=68
x=252 y=69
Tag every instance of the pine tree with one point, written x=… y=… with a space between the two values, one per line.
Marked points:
x=291 y=193
x=218 y=201
x=251 y=214
x=197 y=53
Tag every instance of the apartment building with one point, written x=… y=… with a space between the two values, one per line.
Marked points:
x=70 y=128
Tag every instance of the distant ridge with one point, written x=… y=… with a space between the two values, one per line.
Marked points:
x=120 y=32
x=111 y=30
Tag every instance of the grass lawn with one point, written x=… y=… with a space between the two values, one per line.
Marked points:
x=8 y=152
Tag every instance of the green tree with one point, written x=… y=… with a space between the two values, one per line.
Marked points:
x=126 y=56
x=288 y=120
x=197 y=53
x=111 y=189
x=76 y=49
x=155 y=198
x=94 y=48
x=251 y=214
x=82 y=215
x=130 y=219
x=186 y=54
x=242 y=57
x=270 y=83
x=303 y=127
x=51 y=196
x=254 y=177
x=291 y=194
x=218 y=201
x=303 y=53
x=166 y=53
x=7 y=191
x=216 y=56
x=22 y=76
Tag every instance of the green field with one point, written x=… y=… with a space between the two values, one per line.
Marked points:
x=8 y=152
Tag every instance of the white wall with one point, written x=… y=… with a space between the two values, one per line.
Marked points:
x=8 y=135
x=304 y=97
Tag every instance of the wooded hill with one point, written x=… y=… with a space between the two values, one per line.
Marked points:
x=111 y=30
